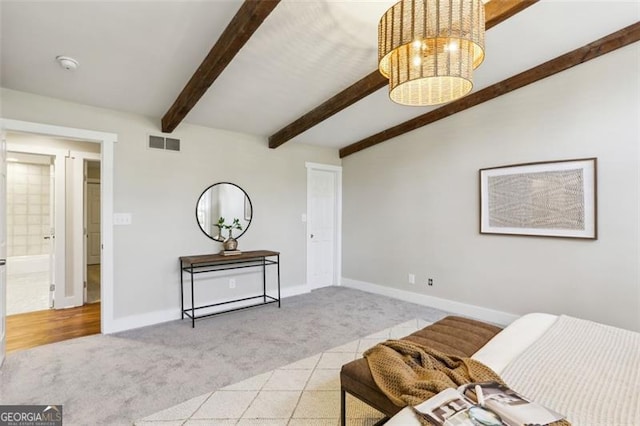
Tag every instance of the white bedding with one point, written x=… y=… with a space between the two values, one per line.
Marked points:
x=498 y=352
x=513 y=340
x=588 y=371
x=600 y=386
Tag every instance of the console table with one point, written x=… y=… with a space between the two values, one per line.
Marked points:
x=216 y=262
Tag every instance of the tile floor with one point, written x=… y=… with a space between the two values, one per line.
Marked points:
x=306 y=392
x=27 y=292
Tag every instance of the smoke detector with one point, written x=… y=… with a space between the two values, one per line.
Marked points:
x=67 y=63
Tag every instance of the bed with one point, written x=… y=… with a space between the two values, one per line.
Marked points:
x=589 y=372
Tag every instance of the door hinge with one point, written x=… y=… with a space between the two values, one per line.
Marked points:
x=52 y=287
x=85 y=284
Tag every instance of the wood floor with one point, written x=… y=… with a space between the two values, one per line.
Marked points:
x=39 y=328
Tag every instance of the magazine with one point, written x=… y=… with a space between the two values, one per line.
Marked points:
x=484 y=404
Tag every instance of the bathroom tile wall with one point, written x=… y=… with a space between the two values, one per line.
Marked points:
x=28 y=222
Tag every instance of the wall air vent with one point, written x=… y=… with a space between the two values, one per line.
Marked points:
x=172 y=144
x=159 y=142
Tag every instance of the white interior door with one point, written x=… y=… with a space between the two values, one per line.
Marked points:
x=51 y=237
x=93 y=223
x=323 y=224
x=58 y=235
x=3 y=247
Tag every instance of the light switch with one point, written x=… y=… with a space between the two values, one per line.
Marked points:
x=122 y=218
x=304 y=217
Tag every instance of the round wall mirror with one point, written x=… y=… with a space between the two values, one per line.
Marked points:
x=218 y=208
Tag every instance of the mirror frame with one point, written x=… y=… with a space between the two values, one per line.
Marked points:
x=247 y=198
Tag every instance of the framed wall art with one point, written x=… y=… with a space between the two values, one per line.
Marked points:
x=550 y=199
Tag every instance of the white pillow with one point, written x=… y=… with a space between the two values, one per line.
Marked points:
x=513 y=340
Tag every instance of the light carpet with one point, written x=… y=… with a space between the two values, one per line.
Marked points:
x=116 y=379
x=305 y=392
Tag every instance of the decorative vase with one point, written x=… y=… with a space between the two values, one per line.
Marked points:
x=230 y=244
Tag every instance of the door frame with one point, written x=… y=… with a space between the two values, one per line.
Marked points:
x=87 y=182
x=337 y=236
x=107 y=141
x=77 y=214
x=85 y=259
x=3 y=254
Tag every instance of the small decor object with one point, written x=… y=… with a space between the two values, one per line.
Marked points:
x=552 y=199
x=230 y=244
x=428 y=49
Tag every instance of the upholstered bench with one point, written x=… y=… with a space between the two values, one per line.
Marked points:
x=451 y=335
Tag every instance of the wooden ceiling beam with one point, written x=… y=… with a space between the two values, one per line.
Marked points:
x=496 y=11
x=245 y=22
x=621 y=38
x=352 y=94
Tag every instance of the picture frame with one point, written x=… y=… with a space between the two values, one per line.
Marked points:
x=547 y=199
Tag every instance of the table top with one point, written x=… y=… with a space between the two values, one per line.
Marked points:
x=213 y=258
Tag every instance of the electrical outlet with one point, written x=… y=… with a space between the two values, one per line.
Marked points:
x=232 y=283
x=430 y=281
x=412 y=278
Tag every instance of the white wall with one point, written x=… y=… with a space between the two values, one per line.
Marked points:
x=411 y=204
x=160 y=189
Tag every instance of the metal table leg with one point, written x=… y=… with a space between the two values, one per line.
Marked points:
x=193 y=305
x=264 y=280
x=181 y=293
x=278 y=280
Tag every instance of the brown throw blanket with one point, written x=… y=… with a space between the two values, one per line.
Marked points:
x=408 y=373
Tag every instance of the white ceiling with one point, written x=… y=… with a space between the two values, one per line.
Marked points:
x=136 y=56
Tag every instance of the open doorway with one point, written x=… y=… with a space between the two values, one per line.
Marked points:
x=92 y=221
x=107 y=141
x=51 y=221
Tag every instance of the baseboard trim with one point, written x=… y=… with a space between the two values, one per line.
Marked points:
x=478 y=312
x=295 y=291
x=142 y=320
x=158 y=317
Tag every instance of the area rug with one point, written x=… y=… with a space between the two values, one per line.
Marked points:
x=304 y=393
